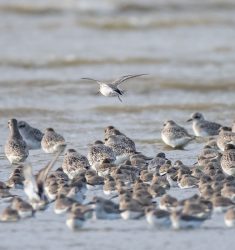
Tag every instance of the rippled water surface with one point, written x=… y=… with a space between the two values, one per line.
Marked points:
x=186 y=47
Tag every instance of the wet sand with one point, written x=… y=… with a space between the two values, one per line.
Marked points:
x=188 y=50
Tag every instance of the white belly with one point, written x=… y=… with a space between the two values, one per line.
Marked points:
x=199 y=132
x=107 y=91
x=74 y=224
x=174 y=143
x=130 y=215
x=229 y=223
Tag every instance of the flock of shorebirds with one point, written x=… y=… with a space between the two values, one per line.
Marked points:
x=133 y=185
x=136 y=182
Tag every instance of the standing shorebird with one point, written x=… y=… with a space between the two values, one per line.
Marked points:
x=98 y=152
x=182 y=220
x=202 y=127
x=228 y=160
x=225 y=136
x=16 y=149
x=74 y=163
x=52 y=142
x=174 y=135
x=122 y=146
x=111 y=89
x=32 y=136
x=104 y=209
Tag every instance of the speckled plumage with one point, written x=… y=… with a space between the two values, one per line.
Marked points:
x=174 y=135
x=121 y=145
x=16 y=149
x=111 y=130
x=228 y=160
x=105 y=168
x=16 y=178
x=225 y=136
x=159 y=160
x=98 y=152
x=52 y=141
x=74 y=163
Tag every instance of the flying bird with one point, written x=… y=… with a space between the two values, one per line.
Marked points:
x=111 y=89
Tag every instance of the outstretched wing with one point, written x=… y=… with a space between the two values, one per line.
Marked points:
x=43 y=173
x=30 y=185
x=124 y=78
x=91 y=79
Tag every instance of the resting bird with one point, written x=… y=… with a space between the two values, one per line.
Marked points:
x=202 y=127
x=174 y=135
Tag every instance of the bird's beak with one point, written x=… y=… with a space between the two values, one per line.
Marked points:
x=189 y=120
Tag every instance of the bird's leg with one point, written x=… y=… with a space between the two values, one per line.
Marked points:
x=119 y=98
x=122 y=91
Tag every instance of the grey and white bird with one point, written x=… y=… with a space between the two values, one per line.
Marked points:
x=93 y=181
x=225 y=136
x=180 y=220
x=74 y=163
x=23 y=208
x=202 y=127
x=174 y=135
x=105 y=209
x=130 y=208
x=157 y=217
x=52 y=142
x=168 y=203
x=228 y=160
x=62 y=204
x=159 y=160
x=9 y=215
x=98 y=152
x=16 y=149
x=111 y=89
x=122 y=146
x=77 y=216
x=16 y=178
x=111 y=130
x=221 y=204
x=32 y=136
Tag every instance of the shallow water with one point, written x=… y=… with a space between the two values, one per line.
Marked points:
x=187 y=48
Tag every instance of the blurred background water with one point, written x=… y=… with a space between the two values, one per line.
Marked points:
x=186 y=47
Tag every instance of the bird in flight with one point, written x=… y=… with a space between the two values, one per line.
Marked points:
x=111 y=89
